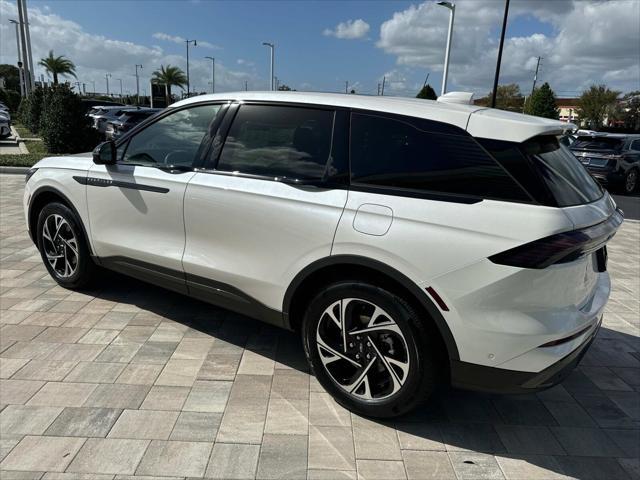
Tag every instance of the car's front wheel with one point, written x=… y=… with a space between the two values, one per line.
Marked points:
x=369 y=348
x=63 y=247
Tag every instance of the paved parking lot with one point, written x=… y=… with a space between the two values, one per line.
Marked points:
x=133 y=380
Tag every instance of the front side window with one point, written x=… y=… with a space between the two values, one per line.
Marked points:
x=173 y=140
x=395 y=153
x=277 y=141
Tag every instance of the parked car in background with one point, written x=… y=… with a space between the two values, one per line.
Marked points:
x=612 y=159
x=407 y=241
x=128 y=120
x=5 y=121
x=90 y=103
x=107 y=114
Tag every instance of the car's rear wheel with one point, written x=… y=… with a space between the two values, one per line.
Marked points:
x=369 y=349
x=63 y=247
x=630 y=181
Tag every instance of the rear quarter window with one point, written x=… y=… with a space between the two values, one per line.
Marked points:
x=547 y=170
x=405 y=153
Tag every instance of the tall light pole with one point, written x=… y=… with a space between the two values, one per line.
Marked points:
x=195 y=44
x=93 y=82
x=497 y=76
x=138 y=84
x=272 y=47
x=120 y=80
x=452 y=12
x=15 y=22
x=23 y=47
x=32 y=69
x=107 y=78
x=213 y=74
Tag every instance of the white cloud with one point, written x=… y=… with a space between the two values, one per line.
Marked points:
x=591 y=42
x=178 y=39
x=97 y=55
x=349 y=30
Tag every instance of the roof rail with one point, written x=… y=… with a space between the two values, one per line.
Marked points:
x=465 y=98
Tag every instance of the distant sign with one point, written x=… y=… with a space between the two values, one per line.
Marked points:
x=158 y=96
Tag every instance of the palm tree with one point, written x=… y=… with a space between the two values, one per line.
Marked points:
x=58 y=66
x=169 y=76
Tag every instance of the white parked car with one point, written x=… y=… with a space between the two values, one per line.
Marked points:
x=408 y=241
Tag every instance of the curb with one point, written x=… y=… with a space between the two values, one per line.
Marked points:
x=14 y=170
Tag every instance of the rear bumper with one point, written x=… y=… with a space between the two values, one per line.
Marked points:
x=470 y=376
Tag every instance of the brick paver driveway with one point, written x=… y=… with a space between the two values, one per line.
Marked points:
x=134 y=380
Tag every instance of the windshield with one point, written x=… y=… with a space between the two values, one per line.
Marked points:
x=598 y=143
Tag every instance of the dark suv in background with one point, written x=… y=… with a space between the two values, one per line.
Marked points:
x=612 y=159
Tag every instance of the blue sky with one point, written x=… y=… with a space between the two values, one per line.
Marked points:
x=404 y=41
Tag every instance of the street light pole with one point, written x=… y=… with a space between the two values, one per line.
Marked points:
x=23 y=46
x=272 y=47
x=138 y=84
x=497 y=76
x=107 y=78
x=15 y=22
x=195 y=44
x=213 y=74
x=452 y=12
x=120 y=80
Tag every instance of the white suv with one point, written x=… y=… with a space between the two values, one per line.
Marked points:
x=409 y=241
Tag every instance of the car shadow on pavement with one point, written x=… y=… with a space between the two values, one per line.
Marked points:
x=583 y=428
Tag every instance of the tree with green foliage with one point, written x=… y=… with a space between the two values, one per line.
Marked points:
x=595 y=103
x=30 y=109
x=10 y=98
x=507 y=98
x=58 y=66
x=169 y=76
x=427 y=93
x=11 y=76
x=542 y=103
x=628 y=111
x=64 y=126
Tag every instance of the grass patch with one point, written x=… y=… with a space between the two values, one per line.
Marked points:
x=37 y=151
x=23 y=131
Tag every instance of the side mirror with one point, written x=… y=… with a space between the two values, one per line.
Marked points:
x=105 y=153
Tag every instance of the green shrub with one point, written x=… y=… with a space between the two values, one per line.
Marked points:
x=63 y=125
x=10 y=98
x=30 y=110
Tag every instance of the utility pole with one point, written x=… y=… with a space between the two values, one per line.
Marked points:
x=272 y=47
x=378 y=88
x=120 y=80
x=195 y=44
x=346 y=86
x=213 y=74
x=94 y=86
x=246 y=86
x=138 y=84
x=497 y=76
x=384 y=80
x=15 y=22
x=452 y=12
x=23 y=45
x=32 y=77
x=535 y=77
x=107 y=78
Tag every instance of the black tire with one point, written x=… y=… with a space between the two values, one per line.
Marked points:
x=630 y=182
x=422 y=377
x=85 y=269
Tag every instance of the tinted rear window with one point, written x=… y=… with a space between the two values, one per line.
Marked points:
x=598 y=143
x=402 y=154
x=547 y=170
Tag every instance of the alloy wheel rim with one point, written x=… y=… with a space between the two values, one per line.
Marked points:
x=60 y=245
x=362 y=349
x=631 y=181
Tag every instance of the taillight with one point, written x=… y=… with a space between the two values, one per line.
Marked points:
x=562 y=247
